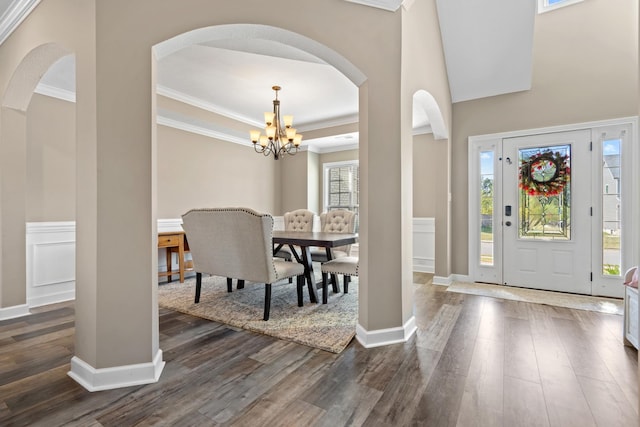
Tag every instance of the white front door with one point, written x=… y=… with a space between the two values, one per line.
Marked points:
x=546 y=203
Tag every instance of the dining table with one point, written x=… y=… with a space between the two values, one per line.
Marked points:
x=306 y=240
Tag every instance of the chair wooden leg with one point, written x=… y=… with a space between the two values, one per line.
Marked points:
x=325 y=287
x=229 y=284
x=267 y=300
x=300 y=285
x=310 y=285
x=240 y=284
x=334 y=283
x=198 y=286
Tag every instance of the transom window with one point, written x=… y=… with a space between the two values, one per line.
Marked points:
x=549 y=5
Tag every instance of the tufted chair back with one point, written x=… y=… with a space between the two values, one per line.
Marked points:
x=298 y=220
x=339 y=221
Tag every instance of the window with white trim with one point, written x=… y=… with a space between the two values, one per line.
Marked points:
x=341 y=184
x=549 y=5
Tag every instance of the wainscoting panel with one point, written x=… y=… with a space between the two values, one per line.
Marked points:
x=51 y=262
x=424 y=246
x=51 y=256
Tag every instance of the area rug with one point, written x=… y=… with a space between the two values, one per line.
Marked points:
x=329 y=327
x=558 y=299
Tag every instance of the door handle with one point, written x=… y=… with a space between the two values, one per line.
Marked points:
x=508 y=223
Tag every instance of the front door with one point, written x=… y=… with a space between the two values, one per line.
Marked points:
x=546 y=202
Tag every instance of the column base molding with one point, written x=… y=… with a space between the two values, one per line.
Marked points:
x=116 y=377
x=380 y=337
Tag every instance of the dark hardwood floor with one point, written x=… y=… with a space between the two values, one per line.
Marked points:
x=475 y=361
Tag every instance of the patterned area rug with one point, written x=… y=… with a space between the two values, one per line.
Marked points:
x=328 y=327
x=558 y=299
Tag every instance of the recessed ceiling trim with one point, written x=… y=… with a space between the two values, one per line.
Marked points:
x=14 y=16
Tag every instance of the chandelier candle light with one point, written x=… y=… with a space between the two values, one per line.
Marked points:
x=278 y=140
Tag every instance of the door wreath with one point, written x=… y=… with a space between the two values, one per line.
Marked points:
x=545 y=173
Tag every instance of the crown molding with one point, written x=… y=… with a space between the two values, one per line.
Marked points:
x=14 y=16
x=323 y=124
x=188 y=127
x=200 y=103
x=55 y=92
x=422 y=130
x=333 y=149
x=389 y=5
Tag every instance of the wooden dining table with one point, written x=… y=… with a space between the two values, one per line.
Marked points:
x=307 y=239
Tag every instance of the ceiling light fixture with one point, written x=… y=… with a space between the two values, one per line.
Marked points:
x=279 y=140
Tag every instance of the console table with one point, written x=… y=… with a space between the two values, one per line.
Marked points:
x=173 y=241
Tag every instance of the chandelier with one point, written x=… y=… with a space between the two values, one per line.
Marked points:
x=278 y=140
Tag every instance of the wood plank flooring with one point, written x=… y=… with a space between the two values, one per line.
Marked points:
x=475 y=361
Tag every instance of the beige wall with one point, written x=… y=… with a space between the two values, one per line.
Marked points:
x=191 y=167
x=587 y=73
x=195 y=171
x=51 y=160
x=294 y=188
x=428 y=158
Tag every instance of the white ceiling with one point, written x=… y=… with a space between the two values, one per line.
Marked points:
x=487 y=45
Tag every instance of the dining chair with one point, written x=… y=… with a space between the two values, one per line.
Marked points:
x=347 y=266
x=298 y=220
x=335 y=221
x=237 y=243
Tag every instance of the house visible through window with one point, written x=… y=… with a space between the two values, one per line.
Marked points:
x=549 y=5
x=342 y=186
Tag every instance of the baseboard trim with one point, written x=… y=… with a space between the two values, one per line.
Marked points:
x=460 y=278
x=116 y=377
x=446 y=281
x=443 y=281
x=52 y=299
x=381 y=337
x=14 y=311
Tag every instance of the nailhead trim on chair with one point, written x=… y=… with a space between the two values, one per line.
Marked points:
x=351 y=263
x=288 y=272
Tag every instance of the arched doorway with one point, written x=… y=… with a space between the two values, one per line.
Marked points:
x=14 y=164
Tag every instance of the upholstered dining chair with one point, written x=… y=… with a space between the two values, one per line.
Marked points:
x=336 y=221
x=237 y=243
x=347 y=266
x=298 y=220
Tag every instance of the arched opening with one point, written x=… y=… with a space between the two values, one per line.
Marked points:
x=19 y=175
x=431 y=186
